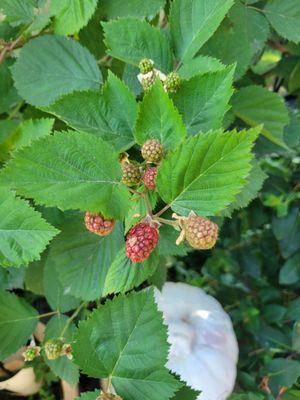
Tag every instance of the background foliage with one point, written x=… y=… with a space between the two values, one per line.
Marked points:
x=72 y=65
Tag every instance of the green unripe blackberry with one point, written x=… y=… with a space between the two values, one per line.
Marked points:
x=131 y=174
x=152 y=151
x=146 y=65
x=148 y=81
x=53 y=348
x=172 y=82
x=31 y=353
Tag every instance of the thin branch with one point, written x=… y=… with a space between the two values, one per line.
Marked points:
x=73 y=316
x=147 y=203
x=167 y=222
x=162 y=210
x=48 y=314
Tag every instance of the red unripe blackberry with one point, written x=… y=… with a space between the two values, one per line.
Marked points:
x=96 y=223
x=152 y=151
x=200 y=232
x=131 y=174
x=141 y=240
x=150 y=178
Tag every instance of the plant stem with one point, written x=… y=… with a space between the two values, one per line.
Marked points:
x=168 y=222
x=73 y=316
x=48 y=314
x=134 y=192
x=162 y=210
x=147 y=203
x=15 y=110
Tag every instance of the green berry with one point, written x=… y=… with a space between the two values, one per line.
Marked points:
x=152 y=151
x=172 y=82
x=146 y=65
x=53 y=348
x=148 y=81
x=31 y=353
x=131 y=174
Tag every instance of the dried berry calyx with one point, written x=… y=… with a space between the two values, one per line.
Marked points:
x=53 y=348
x=31 y=353
x=172 y=82
x=141 y=240
x=200 y=232
x=96 y=223
x=146 y=65
x=131 y=173
x=150 y=178
x=152 y=151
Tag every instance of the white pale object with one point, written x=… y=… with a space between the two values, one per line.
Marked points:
x=204 y=349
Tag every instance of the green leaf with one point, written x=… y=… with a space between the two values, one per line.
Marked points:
x=7 y=128
x=124 y=275
x=203 y=100
x=32 y=13
x=290 y=271
x=77 y=171
x=110 y=114
x=34 y=277
x=82 y=259
x=239 y=38
x=50 y=66
x=254 y=183
x=17 y=322
x=296 y=336
x=167 y=242
x=24 y=234
x=138 y=208
x=200 y=65
x=30 y=130
x=18 y=11
x=58 y=297
x=88 y=395
x=9 y=96
x=287 y=232
x=131 y=347
x=186 y=393
x=62 y=367
x=256 y=105
x=131 y=8
x=193 y=22
x=282 y=372
x=131 y=40
x=214 y=166
x=71 y=15
x=159 y=119
x=284 y=16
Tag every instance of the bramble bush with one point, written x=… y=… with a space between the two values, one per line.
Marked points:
x=142 y=141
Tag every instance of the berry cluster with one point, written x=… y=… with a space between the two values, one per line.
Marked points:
x=148 y=75
x=142 y=239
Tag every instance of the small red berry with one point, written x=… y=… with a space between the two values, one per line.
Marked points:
x=96 y=223
x=141 y=240
x=150 y=178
